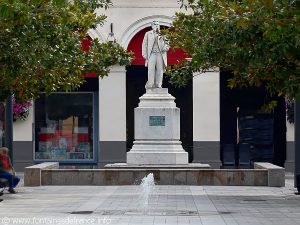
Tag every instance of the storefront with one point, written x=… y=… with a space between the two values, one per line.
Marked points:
x=65 y=127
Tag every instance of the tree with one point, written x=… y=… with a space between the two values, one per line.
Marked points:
x=41 y=50
x=258 y=40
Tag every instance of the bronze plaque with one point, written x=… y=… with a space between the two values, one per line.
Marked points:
x=157 y=121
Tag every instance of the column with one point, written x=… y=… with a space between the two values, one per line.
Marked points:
x=206 y=117
x=290 y=148
x=112 y=117
x=23 y=142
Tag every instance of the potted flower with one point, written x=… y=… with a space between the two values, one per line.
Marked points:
x=21 y=110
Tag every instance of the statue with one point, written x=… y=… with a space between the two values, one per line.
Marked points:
x=154 y=51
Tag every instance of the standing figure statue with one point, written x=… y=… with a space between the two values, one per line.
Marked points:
x=154 y=51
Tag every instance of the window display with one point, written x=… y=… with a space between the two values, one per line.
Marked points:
x=64 y=127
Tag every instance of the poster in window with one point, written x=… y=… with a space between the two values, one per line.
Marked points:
x=43 y=155
x=63 y=143
x=58 y=154
x=83 y=147
x=77 y=155
x=45 y=146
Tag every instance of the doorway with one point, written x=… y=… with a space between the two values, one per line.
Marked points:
x=246 y=133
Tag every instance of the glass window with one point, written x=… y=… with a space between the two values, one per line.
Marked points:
x=64 y=127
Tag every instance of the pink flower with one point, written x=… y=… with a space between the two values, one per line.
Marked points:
x=21 y=109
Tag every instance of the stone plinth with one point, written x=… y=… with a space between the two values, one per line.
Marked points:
x=276 y=174
x=157 y=130
x=33 y=174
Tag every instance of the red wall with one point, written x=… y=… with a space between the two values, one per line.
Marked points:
x=135 y=46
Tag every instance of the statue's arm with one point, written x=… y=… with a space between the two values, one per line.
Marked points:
x=145 y=47
x=166 y=46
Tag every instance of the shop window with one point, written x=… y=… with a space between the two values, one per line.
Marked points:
x=64 y=127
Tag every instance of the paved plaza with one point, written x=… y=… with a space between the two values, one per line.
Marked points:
x=214 y=205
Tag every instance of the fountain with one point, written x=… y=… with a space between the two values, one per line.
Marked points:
x=147 y=186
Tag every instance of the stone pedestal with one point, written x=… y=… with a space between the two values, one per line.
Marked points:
x=157 y=130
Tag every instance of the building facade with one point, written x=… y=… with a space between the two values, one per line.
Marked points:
x=94 y=125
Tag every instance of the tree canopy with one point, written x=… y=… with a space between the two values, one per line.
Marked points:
x=258 y=40
x=40 y=42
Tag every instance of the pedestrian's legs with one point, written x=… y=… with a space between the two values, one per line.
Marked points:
x=16 y=181
x=159 y=70
x=151 y=71
x=12 y=182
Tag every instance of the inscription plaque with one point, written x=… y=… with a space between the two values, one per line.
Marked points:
x=157 y=120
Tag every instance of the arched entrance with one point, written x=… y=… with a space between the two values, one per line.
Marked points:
x=136 y=78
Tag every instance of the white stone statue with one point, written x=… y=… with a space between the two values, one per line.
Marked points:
x=154 y=51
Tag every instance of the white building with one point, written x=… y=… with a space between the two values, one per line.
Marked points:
x=94 y=126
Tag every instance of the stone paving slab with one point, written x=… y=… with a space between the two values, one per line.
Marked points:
x=125 y=205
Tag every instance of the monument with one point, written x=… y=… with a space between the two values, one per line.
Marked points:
x=156 y=119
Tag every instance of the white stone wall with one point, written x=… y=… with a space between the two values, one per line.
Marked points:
x=206 y=107
x=22 y=130
x=125 y=14
x=112 y=105
x=290 y=130
x=290 y=147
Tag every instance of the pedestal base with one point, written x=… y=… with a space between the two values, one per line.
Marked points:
x=127 y=166
x=157 y=131
x=157 y=152
x=160 y=158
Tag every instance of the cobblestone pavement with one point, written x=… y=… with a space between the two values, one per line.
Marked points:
x=214 y=205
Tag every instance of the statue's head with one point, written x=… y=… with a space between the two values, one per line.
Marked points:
x=155 y=26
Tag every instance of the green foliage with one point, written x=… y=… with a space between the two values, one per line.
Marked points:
x=258 y=40
x=40 y=44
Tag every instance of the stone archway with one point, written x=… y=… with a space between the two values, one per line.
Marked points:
x=141 y=24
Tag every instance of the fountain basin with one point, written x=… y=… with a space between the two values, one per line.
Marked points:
x=263 y=174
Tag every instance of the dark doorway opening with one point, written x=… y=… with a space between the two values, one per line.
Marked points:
x=136 y=78
x=247 y=134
